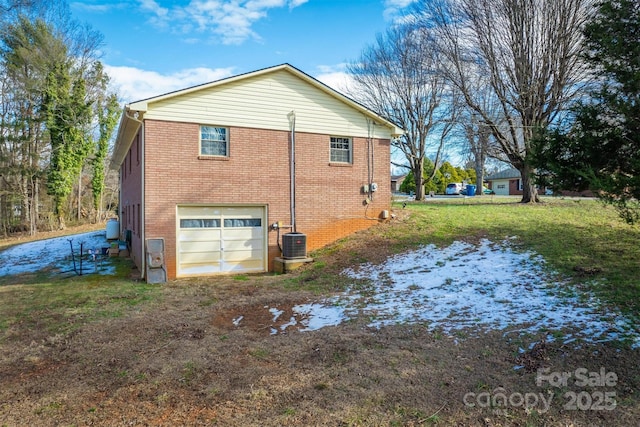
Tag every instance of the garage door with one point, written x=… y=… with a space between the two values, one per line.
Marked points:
x=501 y=187
x=214 y=239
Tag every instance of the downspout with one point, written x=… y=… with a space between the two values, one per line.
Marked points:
x=292 y=170
x=143 y=260
x=370 y=157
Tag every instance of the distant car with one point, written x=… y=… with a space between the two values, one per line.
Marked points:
x=485 y=190
x=453 y=189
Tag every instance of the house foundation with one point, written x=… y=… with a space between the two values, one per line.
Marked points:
x=282 y=265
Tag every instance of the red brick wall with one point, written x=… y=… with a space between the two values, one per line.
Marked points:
x=131 y=198
x=513 y=187
x=329 y=201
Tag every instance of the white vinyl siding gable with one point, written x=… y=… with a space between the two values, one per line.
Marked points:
x=265 y=101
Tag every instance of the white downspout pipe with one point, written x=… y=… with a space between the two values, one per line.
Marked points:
x=292 y=169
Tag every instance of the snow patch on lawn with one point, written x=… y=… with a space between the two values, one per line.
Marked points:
x=55 y=253
x=462 y=287
x=470 y=287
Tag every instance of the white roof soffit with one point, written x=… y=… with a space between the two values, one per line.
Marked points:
x=127 y=130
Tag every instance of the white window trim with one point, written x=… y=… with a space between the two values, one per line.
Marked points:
x=350 y=150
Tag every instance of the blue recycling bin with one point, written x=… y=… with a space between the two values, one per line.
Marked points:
x=471 y=190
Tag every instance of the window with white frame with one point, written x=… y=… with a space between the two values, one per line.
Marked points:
x=214 y=141
x=341 y=149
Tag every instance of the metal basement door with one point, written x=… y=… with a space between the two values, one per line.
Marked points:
x=216 y=239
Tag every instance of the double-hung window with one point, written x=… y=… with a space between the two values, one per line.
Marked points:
x=341 y=148
x=214 y=141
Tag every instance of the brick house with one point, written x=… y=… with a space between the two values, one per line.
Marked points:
x=208 y=170
x=507 y=182
x=396 y=182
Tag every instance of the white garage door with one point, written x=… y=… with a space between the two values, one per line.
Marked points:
x=501 y=187
x=215 y=239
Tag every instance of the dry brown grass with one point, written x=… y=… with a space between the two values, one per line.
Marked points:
x=181 y=361
x=178 y=359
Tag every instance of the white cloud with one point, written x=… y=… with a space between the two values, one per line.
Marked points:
x=76 y=5
x=393 y=8
x=228 y=21
x=134 y=84
x=296 y=3
x=336 y=77
x=160 y=14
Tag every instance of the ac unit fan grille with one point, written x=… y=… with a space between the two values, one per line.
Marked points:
x=294 y=245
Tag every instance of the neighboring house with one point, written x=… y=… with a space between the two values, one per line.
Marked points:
x=208 y=170
x=507 y=182
x=396 y=182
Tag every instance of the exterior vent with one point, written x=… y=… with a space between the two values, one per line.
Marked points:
x=294 y=245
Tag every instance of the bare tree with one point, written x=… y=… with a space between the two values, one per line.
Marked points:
x=529 y=50
x=399 y=78
x=478 y=143
x=34 y=36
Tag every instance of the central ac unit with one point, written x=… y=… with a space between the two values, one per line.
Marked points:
x=294 y=245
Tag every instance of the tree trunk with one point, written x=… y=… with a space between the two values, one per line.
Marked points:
x=529 y=190
x=479 y=178
x=417 y=176
x=61 y=223
x=79 y=194
x=34 y=211
x=60 y=213
x=25 y=206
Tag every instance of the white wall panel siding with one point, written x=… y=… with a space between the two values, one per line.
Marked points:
x=264 y=101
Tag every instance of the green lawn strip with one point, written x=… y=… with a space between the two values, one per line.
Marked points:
x=60 y=305
x=581 y=239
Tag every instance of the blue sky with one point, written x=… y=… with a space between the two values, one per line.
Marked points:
x=155 y=46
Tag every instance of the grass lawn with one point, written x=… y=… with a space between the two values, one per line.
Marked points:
x=578 y=237
x=110 y=350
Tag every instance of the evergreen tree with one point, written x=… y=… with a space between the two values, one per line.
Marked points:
x=602 y=149
x=408 y=184
x=68 y=115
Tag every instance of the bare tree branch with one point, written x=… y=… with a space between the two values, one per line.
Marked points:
x=399 y=78
x=529 y=54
